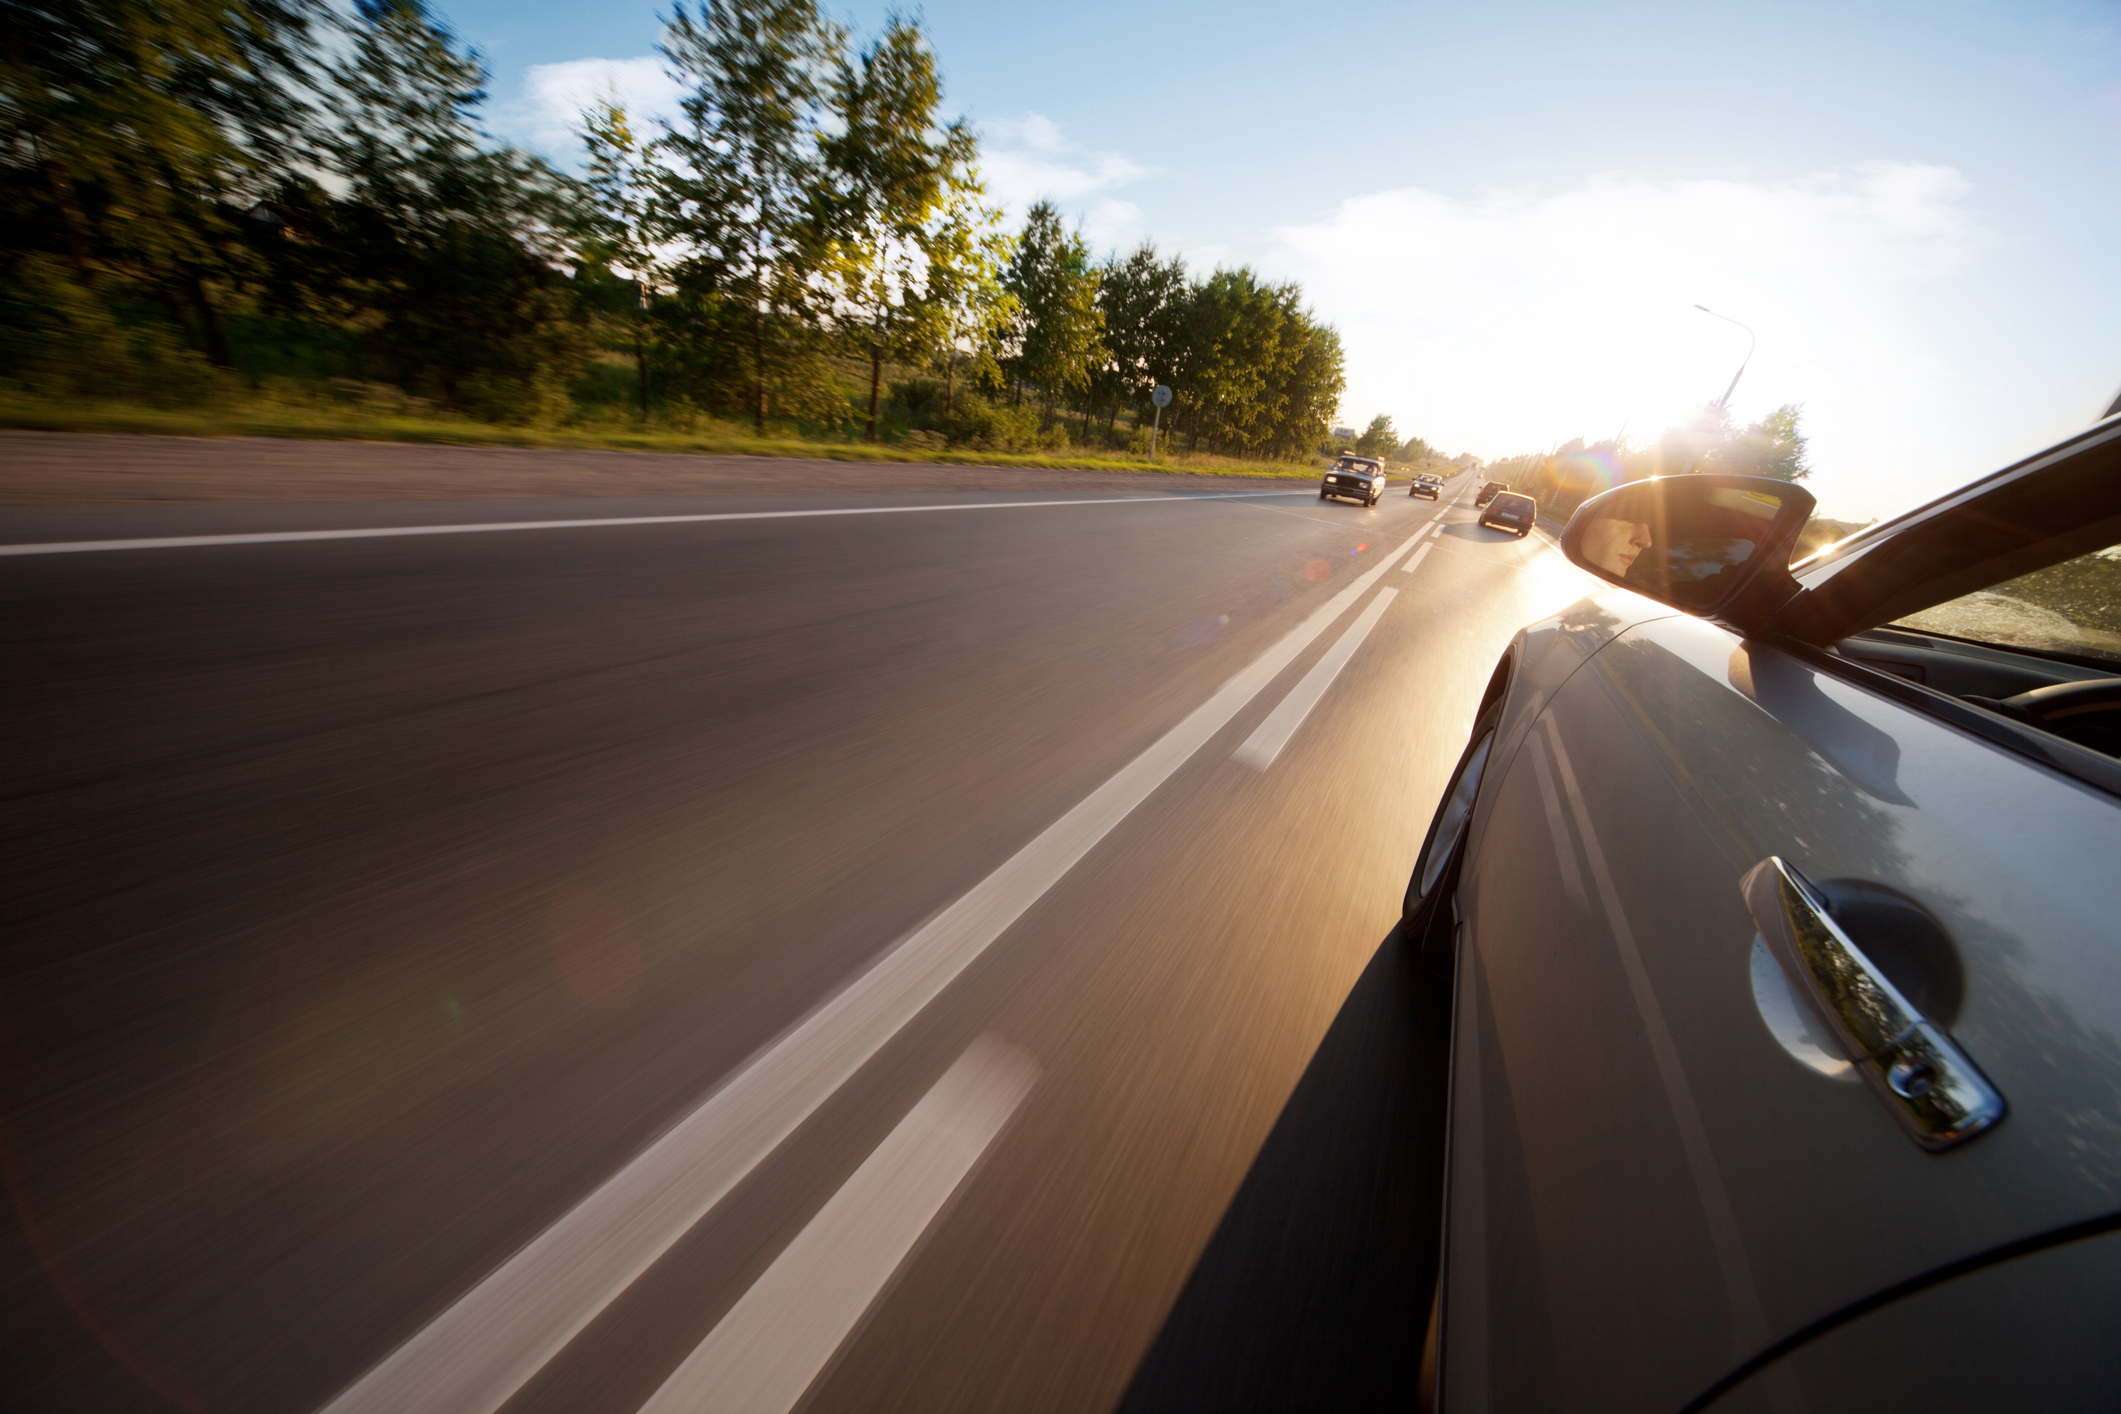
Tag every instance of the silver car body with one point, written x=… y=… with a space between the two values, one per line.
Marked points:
x=1666 y=1190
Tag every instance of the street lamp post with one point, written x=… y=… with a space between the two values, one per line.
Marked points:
x=1752 y=342
x=1724 y=403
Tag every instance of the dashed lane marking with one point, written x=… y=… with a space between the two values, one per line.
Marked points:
x=767 y=1351
x=474 y=1356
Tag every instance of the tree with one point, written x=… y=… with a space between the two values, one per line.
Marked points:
x=1258 y=375
x=1058 y=323
x=1708 y=441
x=459 y=249
x=888 y=167
x=1378 y=439
x=1144 y=299
x=967 y=252
x=621 y=239
x=1773 y=446
x=1313 y=378
x=132 y=135
x=748 y=190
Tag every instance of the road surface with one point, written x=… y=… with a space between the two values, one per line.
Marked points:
x=734 y=951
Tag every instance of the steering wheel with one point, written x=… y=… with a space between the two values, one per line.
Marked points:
x=2087 y=713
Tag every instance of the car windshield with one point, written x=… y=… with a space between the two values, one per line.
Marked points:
x=2073 y=607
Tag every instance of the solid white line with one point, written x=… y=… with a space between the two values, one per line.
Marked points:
x=1265 y=744
x=771 y=1345
x=1415 y=559
x=386 y=532
x=474 y=1356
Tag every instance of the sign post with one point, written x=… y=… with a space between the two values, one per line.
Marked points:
x=1162 y=398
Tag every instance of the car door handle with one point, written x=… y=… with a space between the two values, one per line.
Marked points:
x=1939 y=1096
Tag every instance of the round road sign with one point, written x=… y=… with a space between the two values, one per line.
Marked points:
x=1161 y=397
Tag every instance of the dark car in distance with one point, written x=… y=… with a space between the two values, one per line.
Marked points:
x=1511 y=510
x=1774 y=905
x=1489 y=492
x=1426 y=485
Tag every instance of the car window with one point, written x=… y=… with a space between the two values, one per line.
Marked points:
x=2073 y=607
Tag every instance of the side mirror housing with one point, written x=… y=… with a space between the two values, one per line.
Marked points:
x=1715 y=546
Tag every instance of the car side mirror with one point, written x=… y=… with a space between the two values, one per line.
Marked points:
x=1716 y=546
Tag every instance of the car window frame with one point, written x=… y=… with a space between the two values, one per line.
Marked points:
x=2020 y=519
x=2023 y=518
x=2085 y=765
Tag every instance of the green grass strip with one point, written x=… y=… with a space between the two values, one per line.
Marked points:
x=271 y=420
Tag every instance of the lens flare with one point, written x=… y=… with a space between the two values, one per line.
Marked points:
x=1577 y=476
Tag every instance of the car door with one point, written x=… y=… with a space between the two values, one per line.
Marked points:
x=1657 y=1168
x=2033 y=1331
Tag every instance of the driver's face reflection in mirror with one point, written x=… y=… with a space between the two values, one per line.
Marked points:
x=1612 y=545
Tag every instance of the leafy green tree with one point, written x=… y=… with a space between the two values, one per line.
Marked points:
x=1378 y=440
x=458 y=248
x=749 y=192
x=1258 y=375
x=1145 y=302
x=1315 y=376
x=620 y=236
x=888 y=166
x=967 y=252
x=132 y=136
x=1058 y=325
x=1236 y=327
x=1709 y=441
x=1773 y=446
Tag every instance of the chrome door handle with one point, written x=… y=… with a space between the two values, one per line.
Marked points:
x=1939 y=1096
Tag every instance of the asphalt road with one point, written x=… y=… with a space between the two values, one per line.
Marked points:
x=688 y=963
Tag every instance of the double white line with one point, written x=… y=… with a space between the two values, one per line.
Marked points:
x=473 y=1357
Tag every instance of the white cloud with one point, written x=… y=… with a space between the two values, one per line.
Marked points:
x=1029 y=159
x=1514 y=319
x=548 y=117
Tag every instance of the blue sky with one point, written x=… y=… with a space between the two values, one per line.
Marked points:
x=1509 y=210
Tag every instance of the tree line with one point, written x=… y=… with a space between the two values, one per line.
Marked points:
x=1707 y=440
x=200 y=191
x=1382 y=441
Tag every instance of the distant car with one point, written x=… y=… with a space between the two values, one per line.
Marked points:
x=1511 y=510
x=1426 y=485
x=1354 y=479
x=1774 y=905
x=1488 y=493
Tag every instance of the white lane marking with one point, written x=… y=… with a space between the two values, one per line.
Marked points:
x=473 y=1357
x=768 y=1350
x=1415 y=559
x=1273 y=734
x=385 y=532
